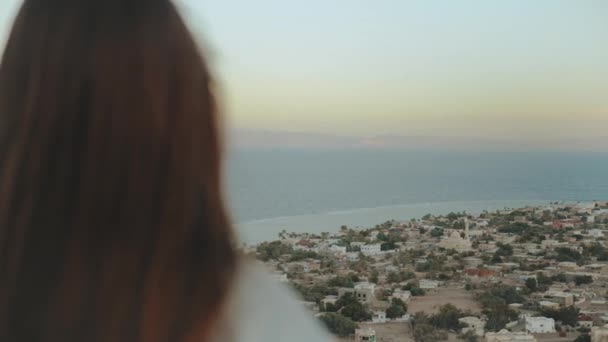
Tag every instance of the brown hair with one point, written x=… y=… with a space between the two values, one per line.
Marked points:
x=112 y=225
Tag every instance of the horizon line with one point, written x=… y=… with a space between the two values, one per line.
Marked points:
x=251 y=138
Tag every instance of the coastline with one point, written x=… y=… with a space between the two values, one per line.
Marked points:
x=256 y=231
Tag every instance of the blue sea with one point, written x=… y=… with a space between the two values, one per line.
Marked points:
x=314 y=190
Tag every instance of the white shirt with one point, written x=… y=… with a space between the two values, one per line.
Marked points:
x=259 y=309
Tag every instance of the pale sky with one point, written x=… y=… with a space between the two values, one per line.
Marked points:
x=517 y=68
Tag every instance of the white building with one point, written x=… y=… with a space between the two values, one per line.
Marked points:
x=483 y=223
x=352 y=256
x=365 y=335
x=322 y=247
x=365 y=292
x=373 y=249
x=456 y=241
x=472 y=262
x=341 y=250
x=304 y=248
x=330 y=299
x=548 y=243
x=379 y=316
x=428 y=284
x=567 y=265
x=560 y=297
x=539 y=325
x=548 y=304
x=596 y=233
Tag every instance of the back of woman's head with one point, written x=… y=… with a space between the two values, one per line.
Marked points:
x=112 y=226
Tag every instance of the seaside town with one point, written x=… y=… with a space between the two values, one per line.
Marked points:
x=528 y=274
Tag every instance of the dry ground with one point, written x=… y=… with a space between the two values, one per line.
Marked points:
x=555 y=337
x=388 y=332
x=431 y=302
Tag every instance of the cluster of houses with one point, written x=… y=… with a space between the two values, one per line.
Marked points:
x=553 y=255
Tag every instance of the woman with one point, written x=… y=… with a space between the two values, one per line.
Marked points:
x=112 y=224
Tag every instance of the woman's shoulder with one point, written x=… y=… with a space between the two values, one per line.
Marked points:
x=262 y=309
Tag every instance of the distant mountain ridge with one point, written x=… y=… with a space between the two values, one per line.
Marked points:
x=276 y=139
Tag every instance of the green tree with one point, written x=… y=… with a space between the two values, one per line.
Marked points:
x=373 y=278
x=341 y=281
x=531 y=284
x=560 y=278
x=423 y=267
x=469 y=336
x=407 y=275
x=414 y=290
x=382 y=237
x=496 y=259
x=397 y=309
x=354 y=277
x=272 y=250
x=394 y=311
x=583 y=338
x=567 y=254
x=507 y=293
x=437 y=232
x=357 y=312
x=498 y=317
x=567 y=315
x=417 y=292
x=329 y=307
x=299 y=255
x=349 y=306
x=423 y=331
x=447 y=317
x=515 y=228
x=543 y=280
x=504 y=249
x=388 y=246
x=453 y=216
x=584 y=279
x=346 y=299
x=495 y=306
x=399 y=302
x=393 y=277
x=314 y=293
x=338 y=324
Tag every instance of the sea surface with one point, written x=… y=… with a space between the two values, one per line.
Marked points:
x=313 y=190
